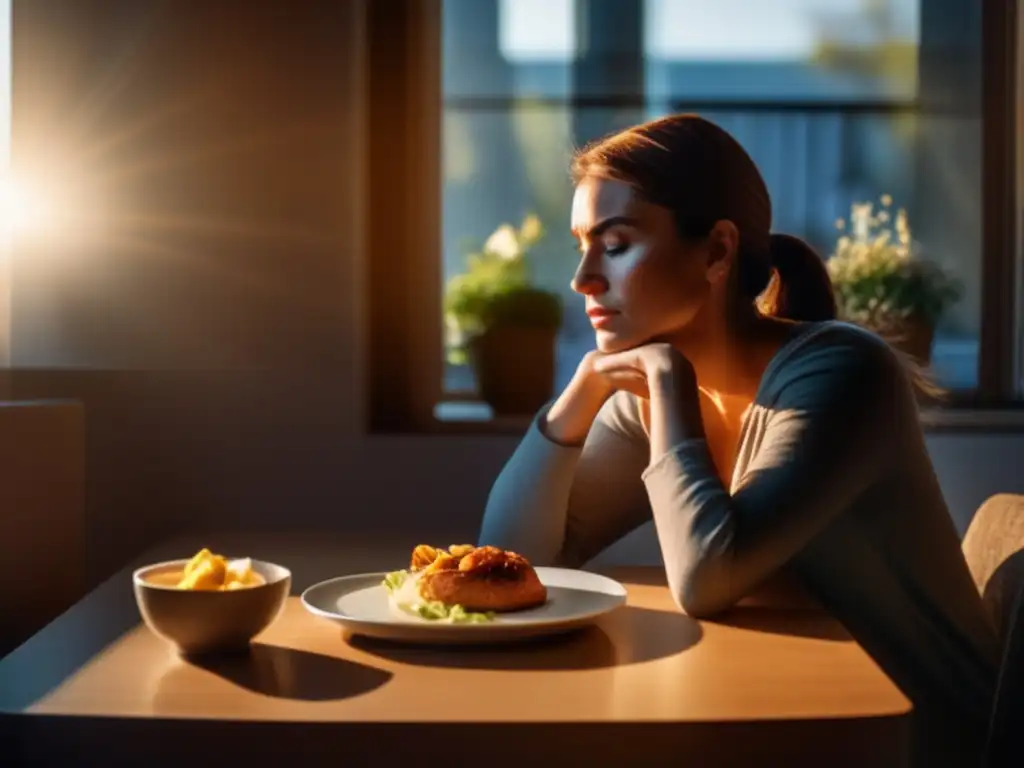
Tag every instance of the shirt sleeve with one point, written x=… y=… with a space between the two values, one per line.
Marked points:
x=827 y=437
x=561 y=505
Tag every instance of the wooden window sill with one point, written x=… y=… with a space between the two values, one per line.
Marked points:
x=995 y=419
x=469 y=417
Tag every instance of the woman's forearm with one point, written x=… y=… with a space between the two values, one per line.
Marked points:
x=675 y=411
x=526 y=508
x=570 y=417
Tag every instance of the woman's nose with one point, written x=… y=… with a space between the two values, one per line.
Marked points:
x=588 y=281
x=589 y=284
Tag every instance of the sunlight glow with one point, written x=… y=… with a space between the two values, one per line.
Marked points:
x=23 y=208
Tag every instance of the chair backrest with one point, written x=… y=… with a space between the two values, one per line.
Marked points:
x=994 y=549
x=1005 y=742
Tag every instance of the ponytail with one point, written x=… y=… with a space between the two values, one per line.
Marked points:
x=799 y=288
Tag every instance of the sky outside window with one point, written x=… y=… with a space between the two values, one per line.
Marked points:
x=724 y=30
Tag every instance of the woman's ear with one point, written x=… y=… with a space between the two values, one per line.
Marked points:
x=723 y=244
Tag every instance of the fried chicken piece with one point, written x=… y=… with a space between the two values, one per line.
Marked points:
x=502 y=563
x=486 y=579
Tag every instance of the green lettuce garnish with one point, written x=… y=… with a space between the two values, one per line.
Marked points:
x=394 y=580
x=435 y=610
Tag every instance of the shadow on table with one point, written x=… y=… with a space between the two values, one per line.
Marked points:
x=777 y=621
x=630 y=635
x=284 y=673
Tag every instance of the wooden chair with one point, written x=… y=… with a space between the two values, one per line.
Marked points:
x=994 y=549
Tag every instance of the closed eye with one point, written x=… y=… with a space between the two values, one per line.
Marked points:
x=610 y=230
x=612 y=249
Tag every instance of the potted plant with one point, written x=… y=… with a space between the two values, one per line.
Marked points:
x=503 y=325
x=882 y=284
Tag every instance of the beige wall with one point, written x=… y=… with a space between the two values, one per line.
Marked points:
x=210 y=313
x=42 y=488
x=214 y=328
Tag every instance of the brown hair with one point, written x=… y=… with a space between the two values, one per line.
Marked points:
x=701 y=173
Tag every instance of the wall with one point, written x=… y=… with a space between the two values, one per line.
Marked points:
x=42 y=552
x=205 y=304
x=208 y=310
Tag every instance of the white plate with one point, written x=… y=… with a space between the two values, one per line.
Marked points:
x=360 y=604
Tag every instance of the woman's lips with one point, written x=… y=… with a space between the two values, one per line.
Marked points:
x=601 y=317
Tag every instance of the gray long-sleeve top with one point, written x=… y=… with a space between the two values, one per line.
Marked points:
x=832 y=484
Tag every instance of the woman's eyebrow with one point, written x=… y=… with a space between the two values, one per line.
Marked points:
x=606 y=224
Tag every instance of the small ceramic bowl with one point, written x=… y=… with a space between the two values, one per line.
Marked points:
x=199 y=622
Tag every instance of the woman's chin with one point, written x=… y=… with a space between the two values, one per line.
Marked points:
x=609 y=343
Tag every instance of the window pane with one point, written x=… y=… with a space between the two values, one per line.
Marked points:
x=491 y=50
x=530 y=31
x=499 y=166
x=781 y=49
x=893 y=108
x=947 y=209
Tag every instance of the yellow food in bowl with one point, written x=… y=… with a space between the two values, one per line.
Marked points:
x=209 y=572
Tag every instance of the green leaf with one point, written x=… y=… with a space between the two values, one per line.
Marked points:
x=435 y=610
x=393 y=581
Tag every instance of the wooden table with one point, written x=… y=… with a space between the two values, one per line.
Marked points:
x=646 y=686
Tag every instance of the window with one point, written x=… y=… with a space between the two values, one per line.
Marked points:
x=838 y=101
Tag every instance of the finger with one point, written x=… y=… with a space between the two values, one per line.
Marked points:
x=616 y=362
x=623 y=375
x=627 y=380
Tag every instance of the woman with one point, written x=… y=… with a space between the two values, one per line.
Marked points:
x=768 y=441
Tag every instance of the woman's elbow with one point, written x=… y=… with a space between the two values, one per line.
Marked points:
x=511 y=528
x=699 y=595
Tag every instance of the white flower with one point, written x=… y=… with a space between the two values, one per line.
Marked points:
x=860 y=217
x=902 y=228
x=531 y=229
x=504 y=243
x=886 y=200
x=454 y=332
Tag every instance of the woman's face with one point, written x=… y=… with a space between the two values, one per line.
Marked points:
x=641 y=281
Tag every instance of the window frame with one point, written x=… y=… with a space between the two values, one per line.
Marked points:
x=999 y=256
x=404 y=111
x=403 y=144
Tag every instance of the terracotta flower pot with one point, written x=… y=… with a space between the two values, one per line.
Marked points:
x=914 y=336
x=515 y=368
